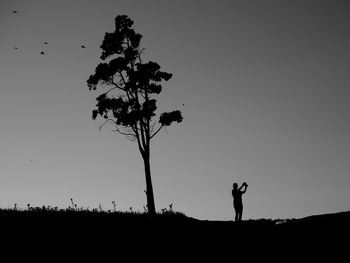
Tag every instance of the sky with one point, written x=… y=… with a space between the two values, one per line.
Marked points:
x=263 y=87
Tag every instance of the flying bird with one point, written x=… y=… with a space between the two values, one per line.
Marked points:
x=14 y=11
x=46 y=43
x=82 y=46
x=42 y=53
x=16 y=48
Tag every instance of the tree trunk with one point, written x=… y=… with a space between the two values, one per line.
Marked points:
x=149 y=188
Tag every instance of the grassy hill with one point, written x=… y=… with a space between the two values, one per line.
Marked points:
x=106 y=234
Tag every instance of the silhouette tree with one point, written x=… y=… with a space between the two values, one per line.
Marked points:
x=129 y=85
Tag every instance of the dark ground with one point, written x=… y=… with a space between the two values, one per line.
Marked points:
x=110 y=237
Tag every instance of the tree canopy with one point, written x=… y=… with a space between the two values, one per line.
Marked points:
x=132 y=107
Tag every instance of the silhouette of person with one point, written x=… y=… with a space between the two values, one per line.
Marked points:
x=237 y=200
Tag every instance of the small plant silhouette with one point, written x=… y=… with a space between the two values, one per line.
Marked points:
x=73 y=204
x=145 y=210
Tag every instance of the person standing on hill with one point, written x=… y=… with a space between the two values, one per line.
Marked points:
x=237 y=199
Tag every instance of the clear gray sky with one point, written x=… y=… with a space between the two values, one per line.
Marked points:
x=265 y=88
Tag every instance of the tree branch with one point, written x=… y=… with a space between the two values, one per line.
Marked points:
x=125 y=90
x=156 y=131
x=142 y=134
x=152 y=127
x=137 y=135
x=108 y=120
x=122 y=77
x=116 y=127
x=116 y=87
x=139 y=55
x=124 y=133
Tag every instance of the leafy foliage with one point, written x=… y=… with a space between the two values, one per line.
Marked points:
x=167 y=118
x=130 y=83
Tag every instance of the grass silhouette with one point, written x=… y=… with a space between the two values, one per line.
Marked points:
x=168 y=233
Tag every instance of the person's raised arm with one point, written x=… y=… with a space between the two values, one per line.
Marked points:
x=245 y=188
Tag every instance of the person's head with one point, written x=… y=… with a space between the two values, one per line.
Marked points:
x=235 y=186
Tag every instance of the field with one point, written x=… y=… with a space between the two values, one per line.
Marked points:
x=112 y=235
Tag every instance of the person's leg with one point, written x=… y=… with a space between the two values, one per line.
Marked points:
x=239 y=208
x=241 y=213
x=236 y=212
